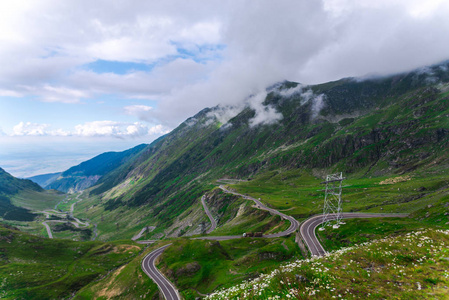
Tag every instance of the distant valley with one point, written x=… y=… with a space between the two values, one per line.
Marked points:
x=87 y=173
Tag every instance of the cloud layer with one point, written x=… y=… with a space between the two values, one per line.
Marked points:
x=91 y=129
x=203 y=53
x=142 y=67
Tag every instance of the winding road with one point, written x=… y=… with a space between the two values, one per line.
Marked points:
x=308 y=227
x=211 y=218
x=307 y=232
x=77 y=222
x=139 y=235
x=50 y=235
x=294 y=224
x=165 y=286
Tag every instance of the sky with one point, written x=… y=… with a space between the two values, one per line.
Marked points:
x=79 y=78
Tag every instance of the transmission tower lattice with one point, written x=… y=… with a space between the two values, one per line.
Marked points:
x=332 y=199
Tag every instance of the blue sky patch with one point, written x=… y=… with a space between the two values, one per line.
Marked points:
x=118 y=67
x=200 y=53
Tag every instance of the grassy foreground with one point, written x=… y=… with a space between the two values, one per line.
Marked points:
x=126 y=282
x=200 y=266
x=32 y=267
x=412 y=266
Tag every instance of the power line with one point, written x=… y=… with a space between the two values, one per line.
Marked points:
x=332 y=199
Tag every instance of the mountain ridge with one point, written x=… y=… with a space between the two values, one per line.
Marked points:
x=375 y=127
x=9 y=187
x=87 y=173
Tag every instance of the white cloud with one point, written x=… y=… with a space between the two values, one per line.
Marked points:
x=317 y=105
x=299 y=89
x=264 y=114
x=117 y=129
x=97 y=128
x=128 y=49
x=48 y=93
x=224 y=113
x=137 y=110
x=9 y=93
x=36 y=129
x=91 y=129
x=47 y=44
x=158 y=130
x=29 y=128
x=306 y=95
x=311 y=42
x=160 y=82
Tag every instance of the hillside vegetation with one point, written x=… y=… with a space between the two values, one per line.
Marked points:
x=412 y=266
x=18 y=196
x=38 y=268
x=376 y=128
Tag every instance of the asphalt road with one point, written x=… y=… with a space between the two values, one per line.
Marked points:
x=211 y=218
x=45 y=223
x=219 y=238
x=165 y=286
x=307 y=231
x=50 y=235
x=147 y=242
x=78 y=223
x=294 y=224
x=308 y=234
x=137 y=236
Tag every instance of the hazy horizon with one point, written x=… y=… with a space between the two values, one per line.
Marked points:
x=37 y=158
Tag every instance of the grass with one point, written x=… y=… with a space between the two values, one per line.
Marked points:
x=302 y=195
x=236 y=215
x=35 y=200
x=294 y=190
x=125 y=282
x=201 y=265
x=410 y=266
x=194 y=266
x=122 y=223
x=37 y=268
x=65 y=204
x=358 y=231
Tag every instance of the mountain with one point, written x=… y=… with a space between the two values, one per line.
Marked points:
x=388 y=135
x=9 y=187
x=87 y=173
x=45 y=179
x=365 y=128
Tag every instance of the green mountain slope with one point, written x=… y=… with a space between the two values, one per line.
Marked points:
x=10 y=187
x=45 y=179
x=373 y=127
x=87 y=173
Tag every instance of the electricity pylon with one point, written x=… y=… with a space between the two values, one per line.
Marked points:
x=332 y=199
